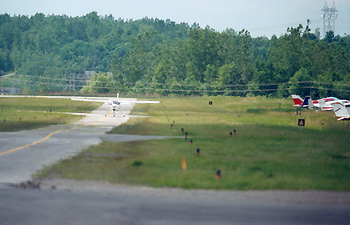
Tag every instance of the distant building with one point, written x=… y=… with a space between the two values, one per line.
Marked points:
x=12 y=91
x=88 y=75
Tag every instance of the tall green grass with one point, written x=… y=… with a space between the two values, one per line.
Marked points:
x=30 y=113
x=268 y=151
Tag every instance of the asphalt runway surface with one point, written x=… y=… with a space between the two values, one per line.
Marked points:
x=130 y=205
x=83 y=202
x=25 y=152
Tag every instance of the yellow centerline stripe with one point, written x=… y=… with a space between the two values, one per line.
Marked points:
x=45 y=138
x=32 y=144
x=106 y=116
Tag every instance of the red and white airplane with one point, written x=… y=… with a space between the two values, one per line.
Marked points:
x=323 y=104
x=341 y=110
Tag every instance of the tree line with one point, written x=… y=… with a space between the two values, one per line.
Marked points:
x=152 y=56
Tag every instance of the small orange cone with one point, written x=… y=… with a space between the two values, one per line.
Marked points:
x=183 y=164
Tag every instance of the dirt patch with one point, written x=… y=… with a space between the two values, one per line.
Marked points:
x=27 y=185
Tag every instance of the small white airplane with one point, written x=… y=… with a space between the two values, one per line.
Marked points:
x=323 y=104
x=114 y=103
x=341 y=110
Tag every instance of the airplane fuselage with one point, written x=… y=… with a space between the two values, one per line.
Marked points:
x=115 y=105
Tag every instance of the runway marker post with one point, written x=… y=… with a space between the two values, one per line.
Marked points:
x=218 y=174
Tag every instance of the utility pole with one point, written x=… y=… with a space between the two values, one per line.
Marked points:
x=329 y=16
x=72 y=82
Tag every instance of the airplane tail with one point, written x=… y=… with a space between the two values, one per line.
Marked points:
x=308 y=102
x=297 y=100
x=341 y=111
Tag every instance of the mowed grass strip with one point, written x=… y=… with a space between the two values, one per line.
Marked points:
x=29 y=113
x=268 y=151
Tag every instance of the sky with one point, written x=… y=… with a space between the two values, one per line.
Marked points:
x=260 y=18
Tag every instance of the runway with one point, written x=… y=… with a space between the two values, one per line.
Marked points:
x=25 y=152
x=84 y=202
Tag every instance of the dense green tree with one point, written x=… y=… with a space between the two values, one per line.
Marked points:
x=99 y=83
x=154 y=56
x=300 y=83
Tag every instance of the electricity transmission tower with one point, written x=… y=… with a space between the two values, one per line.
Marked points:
x=329 y=16
x=308 y=22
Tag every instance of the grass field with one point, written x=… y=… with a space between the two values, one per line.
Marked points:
x=30 y=113
x=268 y=151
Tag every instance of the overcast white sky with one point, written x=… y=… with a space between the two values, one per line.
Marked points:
x=261 y=18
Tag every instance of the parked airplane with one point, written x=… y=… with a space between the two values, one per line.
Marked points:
x=114 y=103
x=323 y=104
x=341 y=110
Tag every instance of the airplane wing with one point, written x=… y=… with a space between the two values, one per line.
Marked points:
x=141 y=102
x=342 y=111
x=88 y=100
x=106 y=100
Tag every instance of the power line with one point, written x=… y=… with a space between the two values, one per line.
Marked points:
x=178 y=85
x=217 y=88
